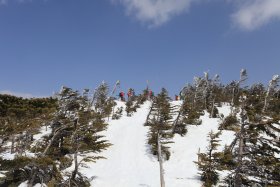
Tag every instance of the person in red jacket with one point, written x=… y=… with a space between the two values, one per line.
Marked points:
x=122 y=96
x=151 y=95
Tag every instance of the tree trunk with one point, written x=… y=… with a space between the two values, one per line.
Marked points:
x=213 y=106
x=232 y=99
x=238 y=179
x=265 y=101
x=113 y=110
x=176 y=120
x=33 y=175
x=205 y=98
x=198 y=156
x=76 y=147
x=148 y=116
x=57 y=132
x=74 y=173
x=194 y=99
x=233 y=143
x=162 y=184
x=13 y=144
x=61 y=142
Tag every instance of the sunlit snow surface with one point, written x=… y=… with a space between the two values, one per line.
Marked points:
x=25 y=184
x=130 y=164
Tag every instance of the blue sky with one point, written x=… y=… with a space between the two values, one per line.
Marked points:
x=45 y=44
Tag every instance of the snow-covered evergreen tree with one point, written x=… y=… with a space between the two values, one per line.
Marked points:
x=160 y=124
x=75 y=131
x=208 y=163
x=255 y=147
x=101 y=100
x=237 y=84
x=272 y=88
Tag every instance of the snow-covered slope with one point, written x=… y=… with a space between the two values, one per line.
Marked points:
x=130 y=164
x=180 y=170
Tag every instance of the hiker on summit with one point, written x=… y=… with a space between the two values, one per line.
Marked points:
x=150 y=95
x=130 y=93
x=121 y=95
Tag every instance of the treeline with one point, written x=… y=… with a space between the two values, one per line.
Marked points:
x=253 y=156
x=21 y=118
x=71 y=121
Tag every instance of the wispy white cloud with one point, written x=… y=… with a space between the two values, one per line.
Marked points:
x=253 y=14
x=249 y=15
x=19 y=94
x=6 y=2
x=3 y=2
x=155 y=12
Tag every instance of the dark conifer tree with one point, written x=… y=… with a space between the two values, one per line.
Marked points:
x=255 y=147
x=160 y=124
x=208 y=163
x=129 y=107
x=101 y=100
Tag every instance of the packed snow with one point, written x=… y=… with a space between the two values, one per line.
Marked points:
x=180 y=170
x=129 y=162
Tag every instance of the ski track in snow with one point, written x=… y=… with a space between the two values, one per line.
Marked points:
x=130 y=164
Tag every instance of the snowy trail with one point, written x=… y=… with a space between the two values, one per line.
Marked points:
x=128 y=164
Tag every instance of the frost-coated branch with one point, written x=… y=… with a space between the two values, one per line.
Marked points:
x=273 y=83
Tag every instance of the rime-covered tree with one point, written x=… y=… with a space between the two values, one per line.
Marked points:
x=75 y=130
x=101 y=100
x=209 y=92
x=187 y=115
x=179 y=125
x=255 y=148
x=85 y=138
x=272 y=88
x=190 y=111
x=202 y=95
x=79 y=128
x=237 y=84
